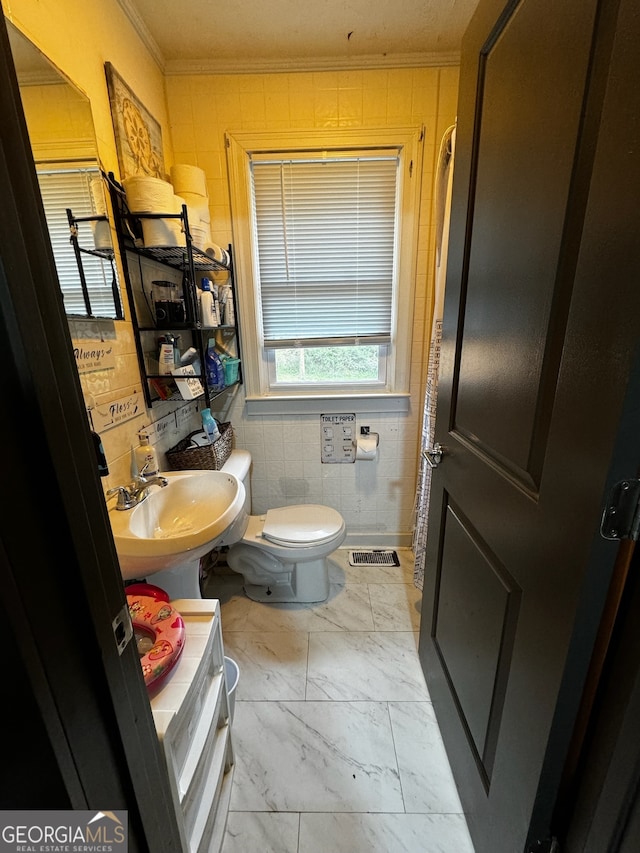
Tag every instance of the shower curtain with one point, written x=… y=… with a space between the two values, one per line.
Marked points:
x=444 y=178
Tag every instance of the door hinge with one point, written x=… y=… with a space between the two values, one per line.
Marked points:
x=545 y=845
x=122 y=628
x=621 y=515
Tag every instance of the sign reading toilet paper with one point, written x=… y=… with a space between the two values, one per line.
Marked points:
x=338 y=438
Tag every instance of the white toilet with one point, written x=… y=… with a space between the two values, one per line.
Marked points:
x=283 y=554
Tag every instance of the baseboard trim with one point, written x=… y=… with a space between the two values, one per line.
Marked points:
x=381 y=540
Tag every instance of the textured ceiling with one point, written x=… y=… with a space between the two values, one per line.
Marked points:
x=192 y=35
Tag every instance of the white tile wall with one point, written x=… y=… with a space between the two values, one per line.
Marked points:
x=375 y=498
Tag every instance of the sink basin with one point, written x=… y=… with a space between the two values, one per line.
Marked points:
x=177 y=525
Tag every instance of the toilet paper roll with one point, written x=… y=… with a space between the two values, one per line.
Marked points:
x=196 y=218
x=179 y=238
x=164 y=232
x=199 y=206
x=148 y=195
x=97 y=193
x=367 y=448
x=217 y=253
x=199 y=236
x=158 y=232
x=188 y=179
x=102 y=234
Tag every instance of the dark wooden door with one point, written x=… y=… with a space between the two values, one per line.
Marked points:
x=538 y=399
x=79 y=729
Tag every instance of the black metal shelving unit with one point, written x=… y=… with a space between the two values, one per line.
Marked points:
x=189 y=261
x=103 y=254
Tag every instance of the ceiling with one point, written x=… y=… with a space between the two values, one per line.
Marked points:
x=192 y=36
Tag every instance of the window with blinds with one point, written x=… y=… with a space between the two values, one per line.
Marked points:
x=326 y=227
x=63 y=188
x=326 y=232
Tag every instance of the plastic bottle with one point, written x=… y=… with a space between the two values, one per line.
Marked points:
x=214 y=368
x=207 y=305
x=166 y=356
x=144 y=454
x=190 y=356
x=229 y=308
x=216 y=306
x=229 y=313
x=210 y=425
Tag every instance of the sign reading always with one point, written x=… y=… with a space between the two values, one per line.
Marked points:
x=64 y=832
x=93 y=355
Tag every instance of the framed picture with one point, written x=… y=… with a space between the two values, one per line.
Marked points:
x=138 y=134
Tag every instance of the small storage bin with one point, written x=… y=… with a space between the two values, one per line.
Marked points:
x=210 y=456
x=231 y=369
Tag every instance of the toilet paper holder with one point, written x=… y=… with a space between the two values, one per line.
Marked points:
x=365 y=430
x=367 y=445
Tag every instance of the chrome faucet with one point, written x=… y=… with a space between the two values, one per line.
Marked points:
x=133 y=494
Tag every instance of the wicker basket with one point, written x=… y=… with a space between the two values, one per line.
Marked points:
x=211 y=456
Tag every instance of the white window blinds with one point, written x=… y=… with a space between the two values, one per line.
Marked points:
x=70 y=188
x=326 y=238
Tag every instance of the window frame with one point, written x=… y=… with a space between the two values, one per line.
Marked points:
x=260 y=396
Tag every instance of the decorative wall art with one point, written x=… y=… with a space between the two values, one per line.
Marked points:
x=138 y=134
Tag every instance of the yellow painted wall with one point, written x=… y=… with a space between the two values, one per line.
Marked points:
x=56 y=116
x=78 y=38
x=375 y=502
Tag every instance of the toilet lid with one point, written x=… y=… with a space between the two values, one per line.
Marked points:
x=303 y=524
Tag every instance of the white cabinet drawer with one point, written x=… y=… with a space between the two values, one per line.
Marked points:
x=191 y=714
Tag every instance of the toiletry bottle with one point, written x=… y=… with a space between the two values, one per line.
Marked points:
x=214 y=368
x=166 y=356
x=207 y=305
x=145 y=455
x=210 y=425
x=190 y=356
x=216 y=304
x=229 y=316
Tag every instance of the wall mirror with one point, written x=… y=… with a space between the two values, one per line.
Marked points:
x=72 y=184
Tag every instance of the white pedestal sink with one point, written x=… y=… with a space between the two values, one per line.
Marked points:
x=167 y=533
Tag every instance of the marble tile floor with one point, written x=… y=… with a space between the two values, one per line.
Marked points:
x=336 y=744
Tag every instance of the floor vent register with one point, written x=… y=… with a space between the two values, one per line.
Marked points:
x=373 y=558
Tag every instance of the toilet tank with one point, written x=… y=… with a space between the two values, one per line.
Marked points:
x=239 y=464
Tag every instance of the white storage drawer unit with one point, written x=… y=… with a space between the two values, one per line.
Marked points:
x=191 y=713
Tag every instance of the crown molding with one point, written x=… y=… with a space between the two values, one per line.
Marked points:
x=142 y=30
x=330 y=63
x=177 y=67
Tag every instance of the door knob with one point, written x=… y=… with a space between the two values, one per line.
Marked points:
x=434 y=456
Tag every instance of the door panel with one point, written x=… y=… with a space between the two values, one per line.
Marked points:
x=474 y=654
x=522 y=164
x=541 y=318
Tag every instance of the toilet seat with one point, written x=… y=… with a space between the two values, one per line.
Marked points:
x=155 y=617
x=305 y=524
